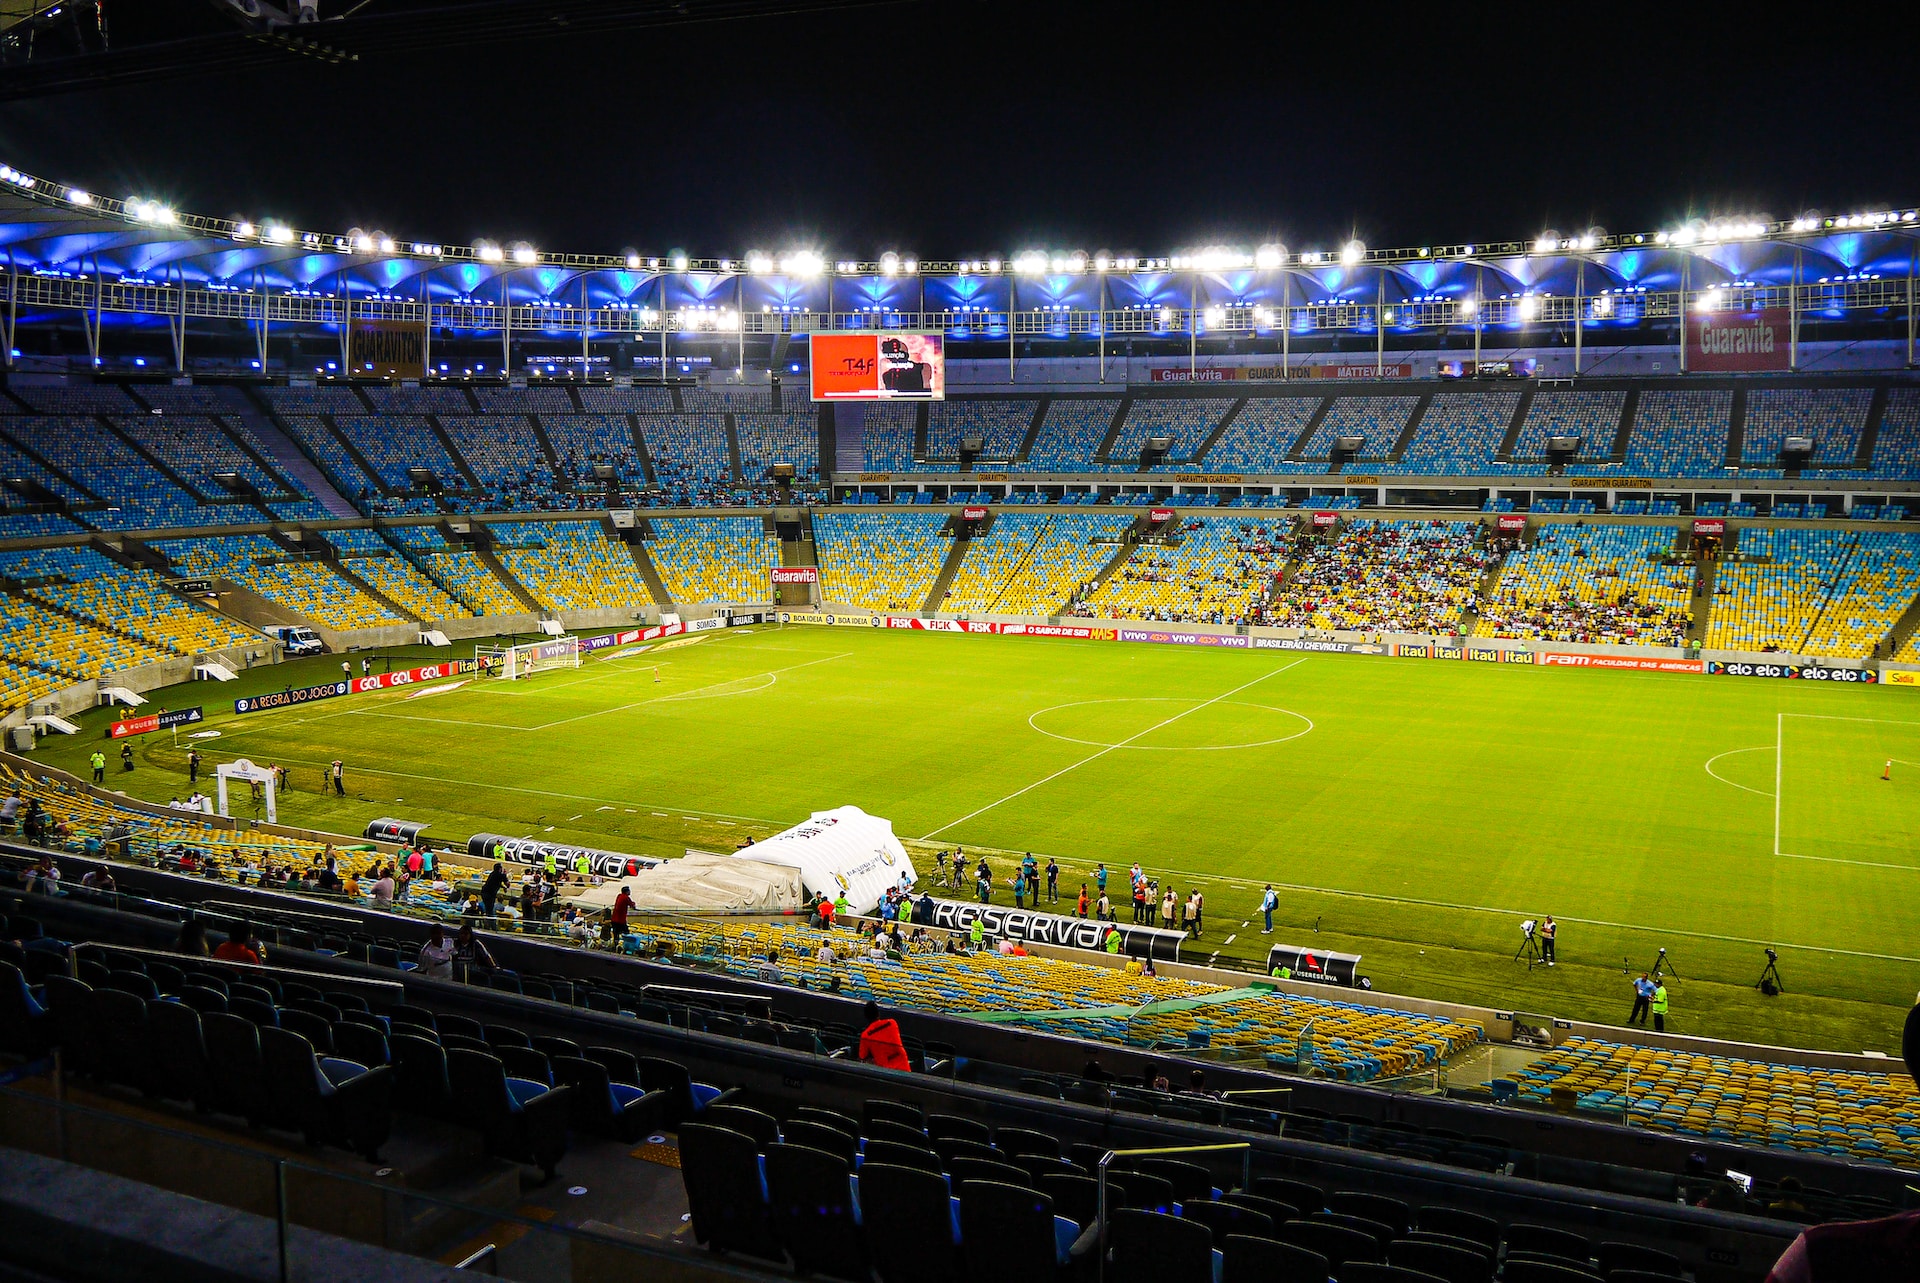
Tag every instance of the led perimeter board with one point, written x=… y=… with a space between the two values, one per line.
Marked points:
x=894 y=366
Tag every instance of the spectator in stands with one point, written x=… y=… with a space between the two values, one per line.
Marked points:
x=42 y=876
x=622 y=905
x=469 y=950
x=10 y=812
x=881 y=1043
x=98 y=880
x=490 y=889
x=192 y=939
x=1787 y=1204
x=241 y=946
x=383 y=888
x=436 y=955
x=1197 y=1084
x=769 y=971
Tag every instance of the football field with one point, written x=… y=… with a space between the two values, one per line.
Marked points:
x=1412 y=811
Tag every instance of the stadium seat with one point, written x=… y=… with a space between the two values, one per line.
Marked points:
x=329 y=1101
x=726 y=1192
x=910 y=1225
x=810 y=1204
x=1009 y=1232
x=520 y=1120
x=1152 y=1247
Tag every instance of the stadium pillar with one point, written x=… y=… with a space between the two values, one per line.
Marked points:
x=13 y=310
x=99 y=290
x=179 y=324
x=1193 y=327
x=1684 y=264
x=740 y=319
x=426 y=328
x=1793 y=315
x=1286 y=323
x=1579 y=309
x=260 y=341
x=506 y=328
x=1479 y=295
x=1912 y=263
x=346 y=326
x=1380 y=325
x=1102 y=322
x=586 y=366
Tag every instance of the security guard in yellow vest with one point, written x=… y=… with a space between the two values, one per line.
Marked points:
x=1660 y=1006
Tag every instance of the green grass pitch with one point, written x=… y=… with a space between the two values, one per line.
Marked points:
x=1412 y=811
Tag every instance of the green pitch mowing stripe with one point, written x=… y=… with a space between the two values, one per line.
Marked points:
x=1405 y=801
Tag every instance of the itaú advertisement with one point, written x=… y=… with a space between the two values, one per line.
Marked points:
x=1738 y=340
x=895 y=366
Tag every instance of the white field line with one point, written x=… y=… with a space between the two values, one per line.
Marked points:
x=1779 y=755
x=1094 y=757
x=621 y=708
x=1731 y=753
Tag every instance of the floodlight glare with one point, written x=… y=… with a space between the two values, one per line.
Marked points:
x=1469 y=306
x=243 y=231
x=1352 y=252
x=1032 y=263
x=679 y=262
x=279 y=233
x=386 y=245
x=802 y=262
x=77 y=196
x=1529 y=308
x=633 y=262
x=1268 y=257
x=889 y=263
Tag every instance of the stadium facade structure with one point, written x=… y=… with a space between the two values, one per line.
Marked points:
x=111 y=271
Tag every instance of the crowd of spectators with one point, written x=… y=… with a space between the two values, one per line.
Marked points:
x=1386 y=576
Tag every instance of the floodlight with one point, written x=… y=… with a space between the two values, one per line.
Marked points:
x=889 y=263
x=1216 y=316
x=279 y=233
x=1268 y=257
x=679 y=262
x=1032 y=263
x=363 y=242
x=1469 y=306
x=1529 y=307
x=633 y=262
x=1546 y=243
x=78 y=196
x=1352 y=252
x=386 y=245
x=993 y=265
x=803 y=262
x=758 y=262
x=243 y=231
x=525 y=255
x=489 y=253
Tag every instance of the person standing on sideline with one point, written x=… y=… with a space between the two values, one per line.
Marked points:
x=366 y=667
x=339 y=773
x=99 y=766
x=1199 y=905
x=1081 y=910
x=193 y=766
x=126 y=757
x=1020 y=888
x=1660 y=1005
x=1268 y=903
x=1100 y=878
x=1642 y=995
x=346 y=670
x=1547 y=929
x=1053 y=880
x=1166 y=910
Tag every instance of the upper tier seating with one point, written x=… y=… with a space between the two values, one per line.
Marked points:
x=726 y=398
x=1458 y=434
x=414 y=401
x=767 y=439
x=879 y=562
x=1594 y=417
x=639 y=400
x=1380 y=419
x=393 y=443
x=1029 y=563
x=1070 y=434
x=581 y=441
x=1188 y=422
x=121 y=598
x=1219 y=574
x=571 y=565
x=1593 y=584
x=1386 y=576
x=139 y=495
x=714 y=558
x=542 y=400
x=197 y=448
x=347 y=476
x=1833 y=417
x=1001 y=423
x=1679 y=434
x=504 y=454
x=1257 y=439
x=18 y=463
x=691 y=462
x=886 y=436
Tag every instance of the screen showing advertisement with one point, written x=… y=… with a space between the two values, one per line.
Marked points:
x=879 y=367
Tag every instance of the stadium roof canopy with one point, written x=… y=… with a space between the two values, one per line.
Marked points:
x=51 y=229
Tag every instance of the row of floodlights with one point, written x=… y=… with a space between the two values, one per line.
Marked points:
x=809 y=263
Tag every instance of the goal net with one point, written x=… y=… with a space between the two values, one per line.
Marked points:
x=515 y=662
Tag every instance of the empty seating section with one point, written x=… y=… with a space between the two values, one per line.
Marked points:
x=1029 y=563
x=329 y=400
x=393 y=443
x=121 y=598
x=767 y=439
x=1000 y=423
x=36 y=525
x=1896 y=450
x=370 y=558
x=691 y=462
x=886 y=436
x=1257 y=439
x=1347 y=1040
x=1874 y=588
x=18 y=463
x=348 y=477
x=411 y=401
x=649 y=400
x=32 y=637
x=571 y=565
x=1187 y=422
x=197 y=398
x=1594 y=417
x=536 y=400
x=581 y=441
x=1458 y=434
x=1781 y=603
x=714 y=558
x=1386 y=576
x=1380 y=419
x=197 y=448
x=504 y=454
x=1598 y=585
x=721 y=398
x=99 y=398
x=1833 y=417
x=1679 y=434
x=139 y=495
x=879 y=562
x=458 y=571
x=1219 y=574
x=1070 y=434
x=1875 y=1117
x=256 y=562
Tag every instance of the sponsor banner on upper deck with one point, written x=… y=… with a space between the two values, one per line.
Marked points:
x=1802 y=672
x=796 y=574
x=1901 y=677
x=165 y=720
x=1510 y=521
x=1206 y=374
x=973 y=514
x=1173 y=638
x=1757 y=340
x=1709 y=526
x=1607 y=483
x=1635 y=663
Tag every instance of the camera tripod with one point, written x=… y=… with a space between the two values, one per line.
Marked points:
x=1664 y=964
x=1771 y=973
x=1528 y=949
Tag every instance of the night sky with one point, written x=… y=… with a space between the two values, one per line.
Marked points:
x=963 y=130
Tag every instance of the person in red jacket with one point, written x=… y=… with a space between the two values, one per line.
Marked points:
x=618 y=917
x=880 y=1042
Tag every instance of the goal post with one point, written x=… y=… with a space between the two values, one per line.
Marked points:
x=512 y=663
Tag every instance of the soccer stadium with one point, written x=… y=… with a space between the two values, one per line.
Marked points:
x=1327 y=762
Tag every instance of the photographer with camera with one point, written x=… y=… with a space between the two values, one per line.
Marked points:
x=1547 y=929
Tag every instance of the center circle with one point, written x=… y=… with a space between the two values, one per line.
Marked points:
x=1165 y=712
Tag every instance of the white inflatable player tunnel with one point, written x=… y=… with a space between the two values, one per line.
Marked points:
x=844 y=851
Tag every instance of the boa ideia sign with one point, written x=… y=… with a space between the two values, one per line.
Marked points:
x=1056 y=929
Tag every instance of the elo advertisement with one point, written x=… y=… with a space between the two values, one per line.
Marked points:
x=879 y=367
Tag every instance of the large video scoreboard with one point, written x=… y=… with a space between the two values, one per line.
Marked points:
x=891 y=366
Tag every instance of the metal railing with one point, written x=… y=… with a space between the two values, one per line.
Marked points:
x=1106 y=1160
